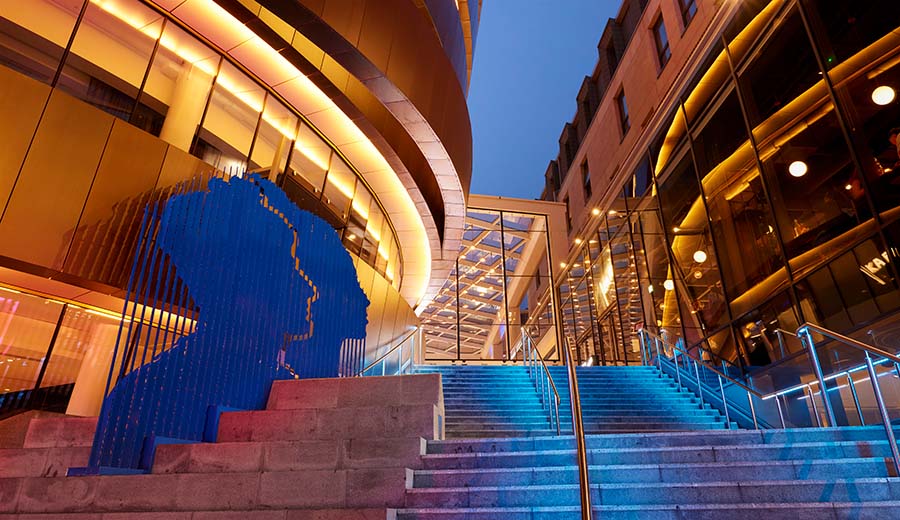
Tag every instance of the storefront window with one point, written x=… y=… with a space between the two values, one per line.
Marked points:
x=32 y=40
x=110 y=55
x=781 y=68
x=843 y=29
x=277 y=131
x=871 y=101
x=814 y=185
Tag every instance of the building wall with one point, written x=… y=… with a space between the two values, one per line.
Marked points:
x=754 y=189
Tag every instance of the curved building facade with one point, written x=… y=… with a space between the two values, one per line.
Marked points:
x=731 y=174
x=357 y=111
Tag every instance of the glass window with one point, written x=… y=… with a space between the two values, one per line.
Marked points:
x=758 y=331
x=843 y=29
x=27 y=323
x=781 y=68
x=231 y=120
x=110 y=55
x=696 y=271
x=586 y=181
x=277 y=132
x=340 y=185
x=870 y=100
x=688 y=10
x=310 y=160
x=813 y=183
x=663 y=53
x=177 y=88
x=32 y=39
x=622 y=105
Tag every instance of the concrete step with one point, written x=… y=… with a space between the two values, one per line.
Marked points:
x=662 y=473
x=781 y=491
x=41 y=462
x=737 y=511
x=266 y=514
x=605 y=419
x=329 y=423
x=328 y=488
x=236 y=457
x=60 y=432
x=660 y=455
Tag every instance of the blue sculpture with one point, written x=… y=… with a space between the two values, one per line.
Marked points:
x=270 y=291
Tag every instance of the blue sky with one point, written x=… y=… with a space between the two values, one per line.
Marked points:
x=530 y=59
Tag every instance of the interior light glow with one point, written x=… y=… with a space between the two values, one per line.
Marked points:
x=668 y=285
x=612 y=212
x=798 y=168
x=650 y=288
x=577 y=241
x=698 y=275
x=848 y=187
x=699 y=256
x=883 y=95
x=595 y=211
x=562 y=264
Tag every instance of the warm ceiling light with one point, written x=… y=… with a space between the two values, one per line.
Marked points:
x=699 y=256
x=650 y=288
x=698 y=275
x=595 y=211
x=562 y=264
x=676 y=229
x=848 y=187
x=668 y=285
x=798 y=168
x=883 y=95
x=577 y=241
x=612 y=212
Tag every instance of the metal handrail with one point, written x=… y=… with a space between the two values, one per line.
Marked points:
x=534 y=353
x=804 y=331
x=584 y=484
x=382 y=357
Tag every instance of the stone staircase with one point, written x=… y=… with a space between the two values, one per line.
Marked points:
x=324 y=449
x=490 y=401
x=632 y=399
x=742 y=474
x=655 y=453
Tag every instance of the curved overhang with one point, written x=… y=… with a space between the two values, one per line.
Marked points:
x=232 y=37
x=387 y=47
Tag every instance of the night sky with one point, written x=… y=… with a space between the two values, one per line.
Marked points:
x=530 y=59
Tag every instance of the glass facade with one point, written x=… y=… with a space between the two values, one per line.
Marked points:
x=132 y=62
x=768 y=197
x=479 y=313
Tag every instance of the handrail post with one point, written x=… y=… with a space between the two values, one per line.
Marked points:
x=852 y=385
x=817 y=368
x=677 y=371
x=812 y=400
x=699 y=388
x=780 y=412
x=885 y=418
x=724 y=402
x=578 y=427
x=752 y=410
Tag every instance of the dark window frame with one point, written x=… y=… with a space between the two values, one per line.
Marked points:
x=661 y=41
x=586 y=181
x=622 y=107
x=688 y=10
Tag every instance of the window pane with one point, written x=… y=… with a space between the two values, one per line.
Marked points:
x=843 y=29
x=177 y=88
x=808 y=178
x=231 y=119
x=340 y=184
x=32 y=40
x=27 y=323
x=277 y=132
x=871 y=101
x=782 y=68
x=310 y=160
x=110 y=54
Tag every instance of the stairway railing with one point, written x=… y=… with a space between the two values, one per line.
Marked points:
x=540 y=376
x=584 y=483
x=404 y=359
x=665 y=355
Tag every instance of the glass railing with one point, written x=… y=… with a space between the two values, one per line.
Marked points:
x=540 y=376
x=397 y=359
x=837 y=381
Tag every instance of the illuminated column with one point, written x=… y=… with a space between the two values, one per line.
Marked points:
x=186 y=109
x=87 y=396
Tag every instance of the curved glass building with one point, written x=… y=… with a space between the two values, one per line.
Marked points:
x=358 y=111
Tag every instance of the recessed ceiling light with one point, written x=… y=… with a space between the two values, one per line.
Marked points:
x=798 y=168
x=699 y=256
x=668 y=285
x=883 y=95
